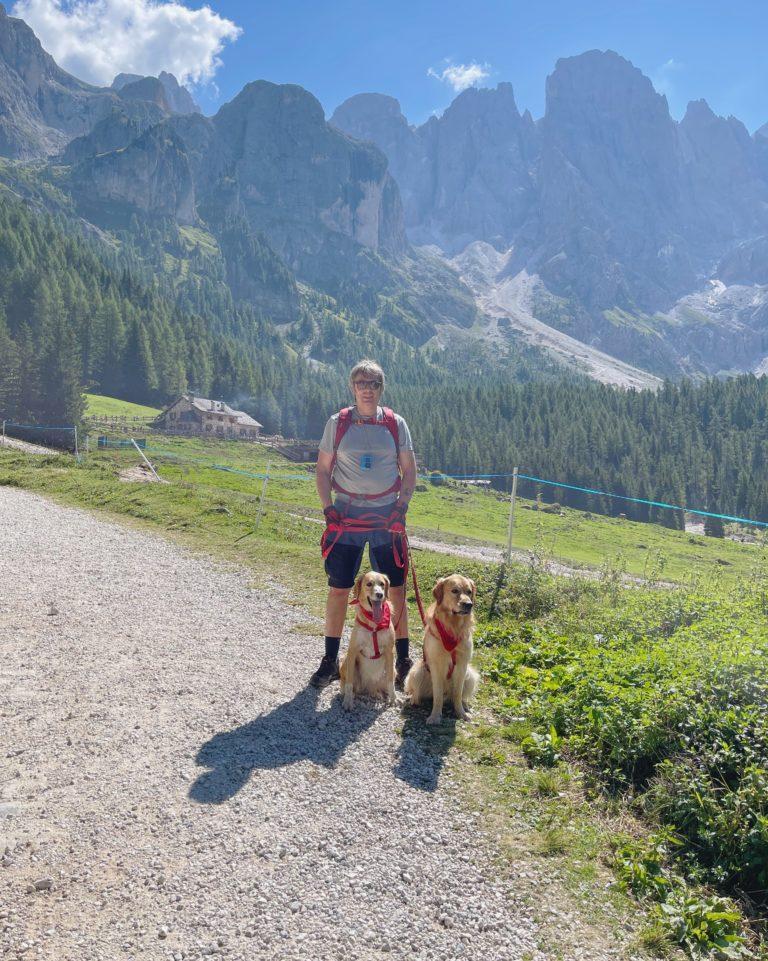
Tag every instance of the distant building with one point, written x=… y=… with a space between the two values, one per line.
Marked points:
x=206 y=418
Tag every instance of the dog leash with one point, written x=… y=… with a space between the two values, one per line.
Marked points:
x=401 y=547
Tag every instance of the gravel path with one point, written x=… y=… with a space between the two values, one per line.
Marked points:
x=175 y=791
x=27 y=447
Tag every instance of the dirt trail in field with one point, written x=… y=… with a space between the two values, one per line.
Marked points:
x=25 y=446
x=170 y=788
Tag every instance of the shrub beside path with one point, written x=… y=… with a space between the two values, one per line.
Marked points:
x=169 y=788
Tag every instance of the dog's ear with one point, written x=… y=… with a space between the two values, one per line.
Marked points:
x=386 y=585
x=358 y=587
x=437 y=590
x=473 y=588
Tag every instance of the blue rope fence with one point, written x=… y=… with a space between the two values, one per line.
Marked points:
x=528 y=477
x=641 y=500
x=37 y=426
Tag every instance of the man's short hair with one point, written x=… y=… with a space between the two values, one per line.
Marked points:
x=368 y=368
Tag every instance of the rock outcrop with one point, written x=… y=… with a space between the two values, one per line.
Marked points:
x=163 y=89
x=464 y=176
x=122 y=125
x=179 y=98
x=300 y=182
x=151 y=176
x=42 y=107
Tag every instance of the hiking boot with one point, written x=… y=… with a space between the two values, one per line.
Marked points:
x=404 y=664
x=327 y=672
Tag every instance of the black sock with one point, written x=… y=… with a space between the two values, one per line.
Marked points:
x=402 y=648
x=332 y=646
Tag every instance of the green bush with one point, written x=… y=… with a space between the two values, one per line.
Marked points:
x=664 y=696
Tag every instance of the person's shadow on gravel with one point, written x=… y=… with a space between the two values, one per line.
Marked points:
x=292 y=732
x=423 y=749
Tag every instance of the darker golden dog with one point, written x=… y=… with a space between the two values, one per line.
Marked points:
x=444 y=670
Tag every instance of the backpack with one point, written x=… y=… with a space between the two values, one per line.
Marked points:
x=342 y=426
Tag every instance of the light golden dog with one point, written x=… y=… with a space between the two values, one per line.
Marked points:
x=369 y=664
x=444 y=670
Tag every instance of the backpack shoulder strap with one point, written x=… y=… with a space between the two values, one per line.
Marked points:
x=390 y=422
x=342 y=426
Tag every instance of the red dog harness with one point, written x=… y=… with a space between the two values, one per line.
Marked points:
x=450 y=643
x=401 y=549
x=342 y=426
x=370 y=625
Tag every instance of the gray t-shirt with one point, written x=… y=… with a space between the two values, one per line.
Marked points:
x=366 y=461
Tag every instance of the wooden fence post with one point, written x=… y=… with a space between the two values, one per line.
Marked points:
x=261 y=500
x=508 y=555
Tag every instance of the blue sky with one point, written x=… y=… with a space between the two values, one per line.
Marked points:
x=418 y=51
x=690 y=50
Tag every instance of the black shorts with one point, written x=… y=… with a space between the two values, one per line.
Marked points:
x=343 y=563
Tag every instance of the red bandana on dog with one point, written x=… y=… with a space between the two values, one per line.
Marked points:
x=370 y=625
x=450 y=643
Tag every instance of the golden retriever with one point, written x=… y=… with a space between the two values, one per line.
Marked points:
x=444 y=668
x=369 y=664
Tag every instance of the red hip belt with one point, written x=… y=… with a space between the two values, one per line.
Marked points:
x=366 y=524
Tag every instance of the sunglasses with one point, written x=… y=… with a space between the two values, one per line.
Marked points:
x=367 y=384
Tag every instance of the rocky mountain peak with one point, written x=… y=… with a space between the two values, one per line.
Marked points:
x=149 y=89
x=292 y=167
x=366 y=107
x=264 y=101
x=453 y=171
x=41 y=105
x=179 y=98
x=124 y=78
x=375 y=117
x=698 y=112
x=163 y=90
x=490 y=102
x=602 y=89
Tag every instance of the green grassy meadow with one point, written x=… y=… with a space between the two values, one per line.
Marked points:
x=98 y=405
x=465 y=514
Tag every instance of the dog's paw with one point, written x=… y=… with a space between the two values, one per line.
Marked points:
x=348 y=703
x=434 y=719
x=391 y=697
x=461 y=714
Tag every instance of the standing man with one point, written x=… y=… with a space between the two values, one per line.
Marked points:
x=366 y=458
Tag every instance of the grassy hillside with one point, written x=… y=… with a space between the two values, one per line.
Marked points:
x=98 y=405
x=467 y=515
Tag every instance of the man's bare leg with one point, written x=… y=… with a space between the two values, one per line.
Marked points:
x=336 y=611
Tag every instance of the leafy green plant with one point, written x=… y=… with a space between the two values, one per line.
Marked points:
x=542 y=748
x=641 y=865
x=704 y=925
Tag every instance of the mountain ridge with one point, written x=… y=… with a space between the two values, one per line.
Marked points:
x=621 y=217
x=612 y=204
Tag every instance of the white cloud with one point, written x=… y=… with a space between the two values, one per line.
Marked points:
x=461 y=75
x=664 y=76
x=97 y=39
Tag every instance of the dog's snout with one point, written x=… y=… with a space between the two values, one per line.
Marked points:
x=378 y=593
x=467 y=605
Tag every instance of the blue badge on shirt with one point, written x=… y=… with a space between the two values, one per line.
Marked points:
x=366 y=462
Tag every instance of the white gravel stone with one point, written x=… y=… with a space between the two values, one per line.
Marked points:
x=166 y=759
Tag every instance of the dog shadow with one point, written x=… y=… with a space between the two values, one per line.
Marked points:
x=294 y=731
x=423 y=749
